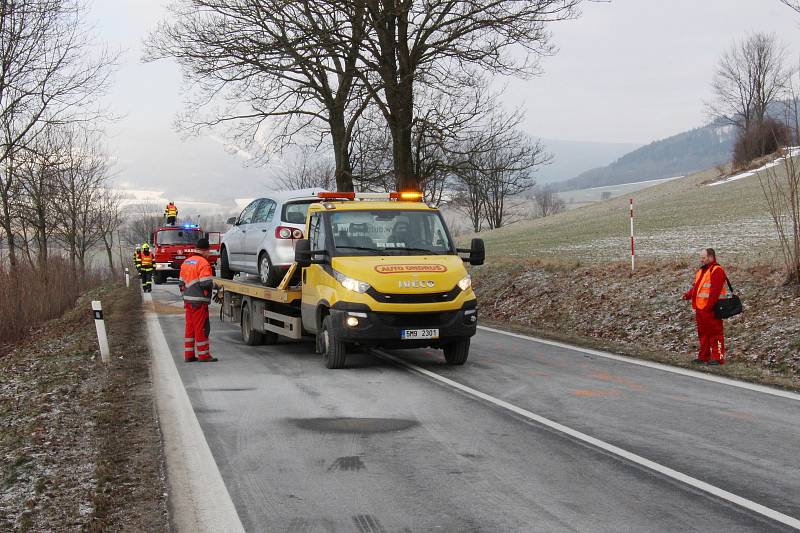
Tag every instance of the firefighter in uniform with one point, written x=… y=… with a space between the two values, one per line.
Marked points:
x=171 y=212
x=146 y=266
x=137 y=260
x=197 y=283
x=707 y=289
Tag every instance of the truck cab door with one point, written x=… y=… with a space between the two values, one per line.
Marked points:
x=214 y=240
x=314 y=274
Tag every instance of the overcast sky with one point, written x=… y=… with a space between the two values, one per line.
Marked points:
x=627 y=71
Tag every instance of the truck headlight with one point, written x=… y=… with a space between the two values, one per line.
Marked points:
x=465 y=283
x=351 y=284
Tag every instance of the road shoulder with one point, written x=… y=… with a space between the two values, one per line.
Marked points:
x=198 y=498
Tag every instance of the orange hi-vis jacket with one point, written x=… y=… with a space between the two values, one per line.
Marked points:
x=146 y=261
x=709 y=287
x=171 y=210
x=197 y=280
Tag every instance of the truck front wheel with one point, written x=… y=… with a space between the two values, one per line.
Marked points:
x=456 y=353
x=334 y=351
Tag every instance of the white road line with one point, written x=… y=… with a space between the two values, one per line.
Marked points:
x=658 y=366
x=199 y=500
x=610 y=448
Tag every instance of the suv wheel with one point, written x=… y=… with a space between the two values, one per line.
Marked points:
x=225 y=271
x=269 y=275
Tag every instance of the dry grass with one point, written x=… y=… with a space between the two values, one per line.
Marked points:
x=80 y=447
x=31 y=297
x=603 y=306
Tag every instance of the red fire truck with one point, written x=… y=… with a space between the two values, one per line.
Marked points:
x=173 y=244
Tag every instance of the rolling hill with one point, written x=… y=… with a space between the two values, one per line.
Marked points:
x=678 y=155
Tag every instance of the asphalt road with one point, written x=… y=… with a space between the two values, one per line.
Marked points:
x=379 y=448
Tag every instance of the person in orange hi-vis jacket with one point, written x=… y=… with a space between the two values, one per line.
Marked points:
x=707 y=289
x=197 y=283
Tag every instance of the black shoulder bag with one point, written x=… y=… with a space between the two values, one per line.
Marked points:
x=730 y=306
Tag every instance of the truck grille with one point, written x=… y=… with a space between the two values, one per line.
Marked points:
x=421 y=298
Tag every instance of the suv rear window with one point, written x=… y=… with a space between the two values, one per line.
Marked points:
x=295 y=212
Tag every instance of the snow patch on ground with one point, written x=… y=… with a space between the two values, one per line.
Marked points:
x=792 y=151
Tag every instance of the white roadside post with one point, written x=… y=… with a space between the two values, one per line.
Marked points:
x=633 y=253
x=127 y=278
x=100 y=325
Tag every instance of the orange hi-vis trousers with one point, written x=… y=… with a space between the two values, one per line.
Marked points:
x=712 y=336
x=198 y=326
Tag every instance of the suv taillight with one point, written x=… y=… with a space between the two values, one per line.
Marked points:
x=283 y=232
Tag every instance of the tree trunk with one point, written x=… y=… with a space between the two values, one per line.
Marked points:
x=344 y=169
x=110 y=252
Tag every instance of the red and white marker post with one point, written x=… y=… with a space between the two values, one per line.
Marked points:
x=633 y=251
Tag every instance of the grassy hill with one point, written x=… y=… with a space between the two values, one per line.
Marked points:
x=673 y=219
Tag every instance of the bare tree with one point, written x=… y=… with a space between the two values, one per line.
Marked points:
x=307 y=173
x=547 y=202
x=781 y=188
x=81 y=179
x=139 y=221
x=750 y=77
x=108 y=222
x=287 y=67
x=444 y=44
x=794 y=4
x=50 y=72
x=499 y=164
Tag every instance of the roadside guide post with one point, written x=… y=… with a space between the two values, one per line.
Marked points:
x=633 y=254
x=127 y=278
x=100 y=325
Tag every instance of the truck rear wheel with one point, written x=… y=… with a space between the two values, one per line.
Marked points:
x=250 y=336
x=224 y=268
x=159 y=278
x=334 y=351
x=456 y=353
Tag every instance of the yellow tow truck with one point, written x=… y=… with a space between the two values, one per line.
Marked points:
x=375 y=270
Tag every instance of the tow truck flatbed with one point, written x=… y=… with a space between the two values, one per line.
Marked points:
x=263 y=312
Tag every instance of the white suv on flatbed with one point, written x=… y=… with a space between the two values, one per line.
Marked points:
x=261 y=239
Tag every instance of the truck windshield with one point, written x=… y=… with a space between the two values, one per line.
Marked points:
x=178 y=236
x=389 y=232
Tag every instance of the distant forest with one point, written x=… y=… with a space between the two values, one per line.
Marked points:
x=681 y=154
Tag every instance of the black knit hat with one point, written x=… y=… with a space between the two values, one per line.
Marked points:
x=202 y=244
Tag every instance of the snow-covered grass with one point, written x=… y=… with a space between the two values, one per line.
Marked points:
x=792 y=151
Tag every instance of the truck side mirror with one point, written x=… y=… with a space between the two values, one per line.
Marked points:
x=231 y=221
x=302 y=253
x=477 y=252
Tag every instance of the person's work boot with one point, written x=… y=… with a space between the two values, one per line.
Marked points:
x=208 y=359
x=714 y=362
x=190 y=360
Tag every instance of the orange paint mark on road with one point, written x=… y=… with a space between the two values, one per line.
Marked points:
x=740 y=415
x=167 y=309
x=593 y=393
x=536 y=373
x=680 y=398
x=605 y=376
